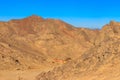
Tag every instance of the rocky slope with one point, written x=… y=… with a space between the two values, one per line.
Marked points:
x=34 y=42
x=100 y=62
x=72 y=53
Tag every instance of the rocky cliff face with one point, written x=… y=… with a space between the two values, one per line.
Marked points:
x=35 y=42
x=100 y=62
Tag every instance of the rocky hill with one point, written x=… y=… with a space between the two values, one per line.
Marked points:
x=35 y=42
x=99 y=62
x=65 y=52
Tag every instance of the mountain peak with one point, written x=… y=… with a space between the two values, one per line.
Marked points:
x=112 y=23
x=35 y=17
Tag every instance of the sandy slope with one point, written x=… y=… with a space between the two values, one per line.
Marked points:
x=19 y=74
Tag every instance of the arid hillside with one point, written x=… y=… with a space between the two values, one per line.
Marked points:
x=35 y=48
x=100 y=62
x=37 y=43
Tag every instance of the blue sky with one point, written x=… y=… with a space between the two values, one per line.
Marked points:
x=80 y=13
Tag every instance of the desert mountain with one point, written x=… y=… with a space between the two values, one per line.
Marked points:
x=63 y=51
x=100 y=62
x=35 y=42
